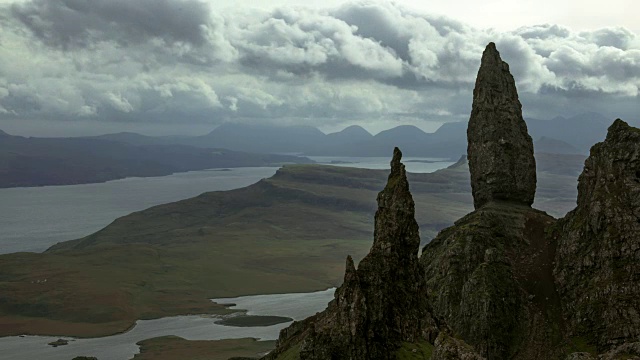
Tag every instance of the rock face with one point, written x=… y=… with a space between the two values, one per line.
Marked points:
x=381 y=304
x=598 y=261
x=509 y=281
x=490 y=278
x=499 y=148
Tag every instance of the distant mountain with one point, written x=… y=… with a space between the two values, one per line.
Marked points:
x=573 y=135
x=2 y=133
x=134 y=138
x=409 y=133
x=62 y=161
x=550 y=145
x=352 y=141
x=260 y=138
x=577 y=133
x=581 y=131
x=351 y=134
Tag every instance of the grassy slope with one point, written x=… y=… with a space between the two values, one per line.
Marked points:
x=289 y=233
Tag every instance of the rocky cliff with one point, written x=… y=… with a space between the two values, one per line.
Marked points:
x=598 y=260
x=512 y=281
x=381 y=308
x=506 y=281
x=490 y=277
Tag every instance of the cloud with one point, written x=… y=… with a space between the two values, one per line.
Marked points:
x=620 y=38
x=69 y=23
x=172 y=61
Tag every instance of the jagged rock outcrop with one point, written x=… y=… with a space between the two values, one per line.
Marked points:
x=490 y=276
x=500 y=149
x=506 y=281
x=381 y=304
x=517 y=284
x=598 y=261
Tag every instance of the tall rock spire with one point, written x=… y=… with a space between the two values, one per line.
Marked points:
x=383 y=302
x=500 y=149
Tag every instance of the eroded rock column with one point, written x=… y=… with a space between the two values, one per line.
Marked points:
x=500 y=149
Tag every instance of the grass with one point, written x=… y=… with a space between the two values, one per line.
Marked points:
x=415 y=351
x=579 y=344
x=292 y=354
x=289 y=233
x=173 y=347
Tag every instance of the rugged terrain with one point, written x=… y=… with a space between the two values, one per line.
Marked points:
x=513 y=282
x=382 y=306
x=506 y=281
x=299 y=225
x=597 y=266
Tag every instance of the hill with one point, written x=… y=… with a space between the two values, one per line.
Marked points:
x=554 y=146
x=63 y=161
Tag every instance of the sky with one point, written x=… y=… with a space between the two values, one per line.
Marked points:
x=158 y=67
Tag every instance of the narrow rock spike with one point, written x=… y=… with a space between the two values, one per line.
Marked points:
x=500 y=149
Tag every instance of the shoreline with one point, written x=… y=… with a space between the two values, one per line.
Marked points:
x=227 y=306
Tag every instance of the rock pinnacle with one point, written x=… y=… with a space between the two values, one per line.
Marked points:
x=383 y=302
x=500 y=149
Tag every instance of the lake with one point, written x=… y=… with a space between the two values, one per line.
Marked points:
x=34 y=218
x=195 y=327
x=411 y=164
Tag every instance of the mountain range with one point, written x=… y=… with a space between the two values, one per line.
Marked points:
x=572 y=135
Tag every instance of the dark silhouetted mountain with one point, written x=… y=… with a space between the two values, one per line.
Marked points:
x=353 y=133
x=61 y=161
x=410 y=133
x=261 y=138
x=449 y=141
x=340 y=143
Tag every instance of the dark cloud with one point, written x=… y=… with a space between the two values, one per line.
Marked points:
x=69 y=23
x=377 y=22
x=173 y=61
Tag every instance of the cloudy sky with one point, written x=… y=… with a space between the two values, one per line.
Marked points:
x=73 y=67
